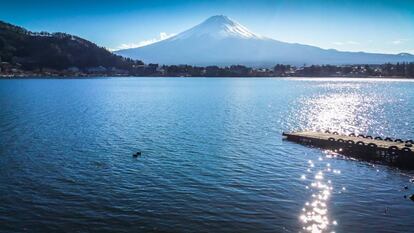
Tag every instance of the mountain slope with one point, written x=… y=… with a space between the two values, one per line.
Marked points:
x=221 y=41
x=55 y=51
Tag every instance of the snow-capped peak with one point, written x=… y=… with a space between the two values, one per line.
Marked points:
x=222 y=41
x=218 y=27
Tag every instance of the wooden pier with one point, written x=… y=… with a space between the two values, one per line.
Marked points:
x=394 y=152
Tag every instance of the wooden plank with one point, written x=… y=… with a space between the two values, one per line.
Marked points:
x=395 y=153
x=325 y=136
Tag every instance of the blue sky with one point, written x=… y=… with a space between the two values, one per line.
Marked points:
x=373 y=26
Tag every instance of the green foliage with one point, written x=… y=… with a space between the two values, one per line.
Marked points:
x=55 y=51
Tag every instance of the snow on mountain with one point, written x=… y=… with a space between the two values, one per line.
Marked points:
x=222 y=41
x=218 y=27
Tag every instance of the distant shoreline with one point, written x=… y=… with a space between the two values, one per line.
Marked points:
x=399 y=71
x=10 y=77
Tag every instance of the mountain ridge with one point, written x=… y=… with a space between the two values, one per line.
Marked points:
x=41 y=50
x=221 y=41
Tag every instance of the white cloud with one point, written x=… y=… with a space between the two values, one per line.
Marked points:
x=162 y=36
x=352 y=42
x=399 y=41
x=396 y=42
x=349 y=42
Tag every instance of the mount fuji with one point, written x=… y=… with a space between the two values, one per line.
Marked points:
x=222 y=41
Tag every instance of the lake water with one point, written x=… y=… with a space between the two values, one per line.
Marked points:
x=213 y=159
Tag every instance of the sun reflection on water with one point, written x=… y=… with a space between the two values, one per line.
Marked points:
x=338 y=112
x=315 y=214
x=345 y=109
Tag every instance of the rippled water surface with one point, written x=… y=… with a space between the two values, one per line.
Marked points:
x=213 y=159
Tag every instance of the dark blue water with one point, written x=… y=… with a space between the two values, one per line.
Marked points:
x=213 y=157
